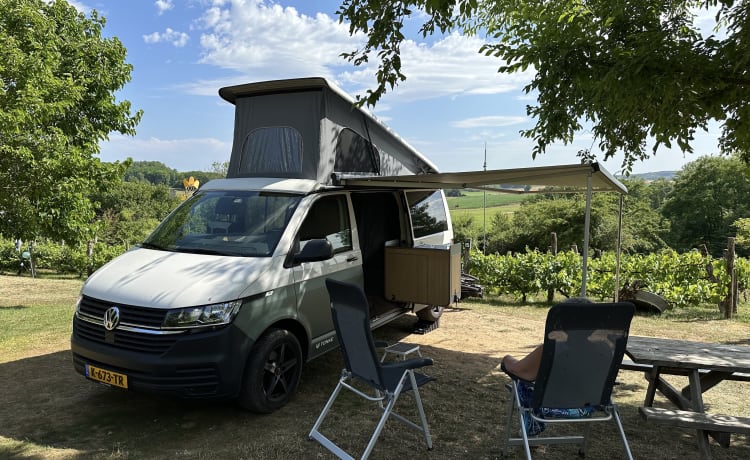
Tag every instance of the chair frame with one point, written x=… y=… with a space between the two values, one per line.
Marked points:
x=610 y=317
x=386 y=390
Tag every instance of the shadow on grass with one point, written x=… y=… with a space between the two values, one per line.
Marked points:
x=49 y=411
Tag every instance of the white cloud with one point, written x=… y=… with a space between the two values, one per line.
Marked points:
x=186 y=154
x=163 y=5
x=178 y=39
x=262 y=40
x=267 y=41
x=489 y=121
x=452 y=66
x=80 y=6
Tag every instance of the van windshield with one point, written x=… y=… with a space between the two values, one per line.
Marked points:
x=233 y=223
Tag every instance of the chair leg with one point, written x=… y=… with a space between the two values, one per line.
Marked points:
x=622 y=433
x=320 y=437
x=387 y=411
x=381 y=424
x=422 y=416
x=424 y=428
x=524 y=434
x=326 y=408
x=516 y=405
x=509 y=422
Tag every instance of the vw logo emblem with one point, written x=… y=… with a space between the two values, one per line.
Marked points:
x=111 y=318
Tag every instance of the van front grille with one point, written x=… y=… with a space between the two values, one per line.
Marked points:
x=137 y=316
x=142 y=333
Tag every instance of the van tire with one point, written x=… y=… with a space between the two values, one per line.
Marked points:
x=431 y=313
x=272 y=372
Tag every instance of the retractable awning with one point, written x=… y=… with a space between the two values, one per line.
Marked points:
x=569 y=178
x=583 y=178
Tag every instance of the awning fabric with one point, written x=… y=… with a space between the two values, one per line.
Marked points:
x=569 y=178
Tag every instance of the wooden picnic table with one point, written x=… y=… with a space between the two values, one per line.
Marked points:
x=705 y=365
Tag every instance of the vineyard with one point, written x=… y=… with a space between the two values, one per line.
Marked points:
x=682 y=279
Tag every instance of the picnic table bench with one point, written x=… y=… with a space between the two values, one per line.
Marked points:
x=706 y=365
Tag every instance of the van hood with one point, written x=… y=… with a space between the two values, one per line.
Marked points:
x=161 y=279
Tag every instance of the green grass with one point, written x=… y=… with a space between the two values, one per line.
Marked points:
x=477 y=215
x=49 y=412
x=472 y=205
x=473 y=200
x=35 y=313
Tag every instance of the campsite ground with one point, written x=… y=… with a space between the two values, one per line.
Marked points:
x=49 y=412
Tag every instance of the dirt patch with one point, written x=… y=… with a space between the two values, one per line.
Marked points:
x=50 y=412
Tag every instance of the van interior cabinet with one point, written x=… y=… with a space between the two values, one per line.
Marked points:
x=428 y=275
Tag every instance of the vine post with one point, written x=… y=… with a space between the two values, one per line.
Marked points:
x=553 y=251
x=730 y=304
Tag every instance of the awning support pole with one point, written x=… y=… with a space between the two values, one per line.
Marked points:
x=586 y=225
x=617 y=250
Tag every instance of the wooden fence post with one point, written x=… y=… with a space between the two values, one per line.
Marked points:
x=553 y=250
x=730 y=306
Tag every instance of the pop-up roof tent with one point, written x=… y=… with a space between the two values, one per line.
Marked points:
x=308 y=129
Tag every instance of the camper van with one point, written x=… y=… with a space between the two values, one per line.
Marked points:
x=226 y=298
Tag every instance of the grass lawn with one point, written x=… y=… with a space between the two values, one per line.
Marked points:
x=474 y=199
x=50 y=412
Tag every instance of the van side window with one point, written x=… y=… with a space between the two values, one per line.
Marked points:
x=328 y=218
x=427 y=212
x=272 y=150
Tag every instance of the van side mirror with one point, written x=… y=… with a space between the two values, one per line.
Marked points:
x=315 y=251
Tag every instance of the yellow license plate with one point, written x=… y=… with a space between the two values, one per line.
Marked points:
x=105 y=376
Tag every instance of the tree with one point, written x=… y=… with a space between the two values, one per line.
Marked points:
x=643 y=229
x=638 y=71
x=128 y=212
x=58 y=76
x=154 y=172
x=708 y=196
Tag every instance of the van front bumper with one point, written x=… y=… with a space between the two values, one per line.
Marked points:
x=206 y=364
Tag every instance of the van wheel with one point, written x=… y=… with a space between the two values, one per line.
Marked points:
x=272 y=372
x=431 y=313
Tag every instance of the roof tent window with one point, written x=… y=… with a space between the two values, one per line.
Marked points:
x=275 y=150
x=427 y=212
x=354 y=153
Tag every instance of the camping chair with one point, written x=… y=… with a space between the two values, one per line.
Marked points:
x=388 y=380
x=583 y=347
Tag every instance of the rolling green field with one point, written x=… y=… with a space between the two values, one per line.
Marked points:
x=472 y=204
x=475 y=199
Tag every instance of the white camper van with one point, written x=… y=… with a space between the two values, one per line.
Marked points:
x=226 y=298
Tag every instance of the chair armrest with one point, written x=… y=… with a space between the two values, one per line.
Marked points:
x=413 y=363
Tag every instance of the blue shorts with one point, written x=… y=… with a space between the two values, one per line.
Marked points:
x=534 y=427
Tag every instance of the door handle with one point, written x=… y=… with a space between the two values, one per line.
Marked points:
x=351 y=258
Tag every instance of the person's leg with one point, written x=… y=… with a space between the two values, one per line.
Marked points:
x=526 y=367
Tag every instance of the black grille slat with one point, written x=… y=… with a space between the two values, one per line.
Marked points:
x=139 y=317
x=143 y=317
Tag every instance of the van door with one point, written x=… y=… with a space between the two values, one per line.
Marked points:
x=330 y=218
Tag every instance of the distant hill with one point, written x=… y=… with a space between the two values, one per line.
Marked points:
x=669 y=175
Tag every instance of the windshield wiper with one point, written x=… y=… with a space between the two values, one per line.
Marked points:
x=148 y=245
x=210 y=252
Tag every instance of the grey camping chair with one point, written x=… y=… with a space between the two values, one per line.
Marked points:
x=385 y=380
x=583 y=347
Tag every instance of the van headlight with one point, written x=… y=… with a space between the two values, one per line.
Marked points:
x=206 y=315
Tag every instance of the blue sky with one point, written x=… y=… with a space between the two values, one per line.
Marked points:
x=452 y=104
